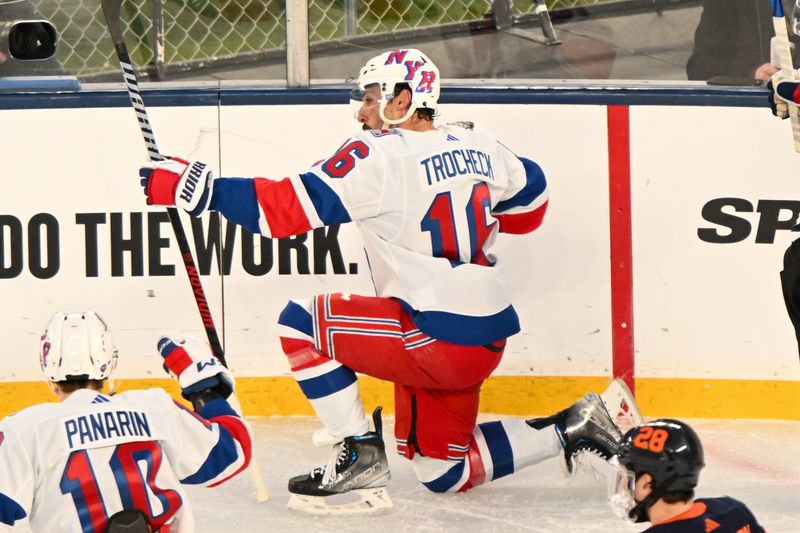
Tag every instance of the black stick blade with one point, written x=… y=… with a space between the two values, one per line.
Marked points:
x=111 y=10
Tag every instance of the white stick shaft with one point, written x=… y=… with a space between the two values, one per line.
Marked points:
x=262 y=493
x=111 y=10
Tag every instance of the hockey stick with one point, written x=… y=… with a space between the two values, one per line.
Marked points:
x=783 y=51
x=111 y=12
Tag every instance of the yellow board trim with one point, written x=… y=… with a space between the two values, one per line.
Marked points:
x=523 y=396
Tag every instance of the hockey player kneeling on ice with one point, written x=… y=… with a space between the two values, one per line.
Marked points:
x=114 y=463
x=429 y=201
x=654 y=477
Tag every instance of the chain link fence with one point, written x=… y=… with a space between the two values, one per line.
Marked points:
x=202 y=32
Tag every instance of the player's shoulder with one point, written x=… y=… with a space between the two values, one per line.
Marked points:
x=378 y=138
x=465 y=129
x=721 y=513
x=29 y=417
x=732 y=512
x=365 y=143
x=145 y=397
x=727 y=506
x=375 y=146
x=156 y=401
x=721 y=503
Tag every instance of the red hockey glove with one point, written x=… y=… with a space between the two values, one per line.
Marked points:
x=197 y=370
x=178 y=182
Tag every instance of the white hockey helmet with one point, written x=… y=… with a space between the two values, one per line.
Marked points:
x=77 y=346
x=405 y=66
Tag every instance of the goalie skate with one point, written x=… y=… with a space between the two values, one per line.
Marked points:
x=584 y=427
x=622 y=408
x=353 y=482
x=621 y=405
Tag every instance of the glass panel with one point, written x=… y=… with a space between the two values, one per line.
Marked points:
x=593 y=39
x=200 y=37
x=732 y=42
x=720 y=41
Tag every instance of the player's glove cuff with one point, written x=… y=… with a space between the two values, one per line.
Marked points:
x=178 y=182
x=213 y=384
x=202 y=398
x=191 y=362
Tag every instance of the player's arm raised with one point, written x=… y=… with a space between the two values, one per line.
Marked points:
x=334 y=191
x=214 y=442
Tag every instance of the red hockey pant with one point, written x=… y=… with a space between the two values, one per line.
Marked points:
x=437 y=384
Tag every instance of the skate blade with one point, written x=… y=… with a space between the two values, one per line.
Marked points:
x=354 y=502
x=621 y=405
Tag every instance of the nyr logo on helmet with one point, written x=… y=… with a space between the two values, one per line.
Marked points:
x=427 y=77
x=396 y=57
x=426 y=83
x=411 y=68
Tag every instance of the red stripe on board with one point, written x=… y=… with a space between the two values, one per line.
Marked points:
x=619 y=196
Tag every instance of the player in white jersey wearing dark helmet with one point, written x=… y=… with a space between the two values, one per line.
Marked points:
x=657 y=470
x=429 y=201
x=102 y=463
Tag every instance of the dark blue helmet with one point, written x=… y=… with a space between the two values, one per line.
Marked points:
x=669 y=450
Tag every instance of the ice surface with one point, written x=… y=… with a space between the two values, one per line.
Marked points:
x=755 y=461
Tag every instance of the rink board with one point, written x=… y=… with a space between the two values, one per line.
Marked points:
x=524 y=396
x=712 y=196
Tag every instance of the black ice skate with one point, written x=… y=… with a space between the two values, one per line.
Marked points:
x=585 y=426
x=353 y=482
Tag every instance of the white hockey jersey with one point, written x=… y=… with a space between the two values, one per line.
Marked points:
x=69 y=466
x=428 y=205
